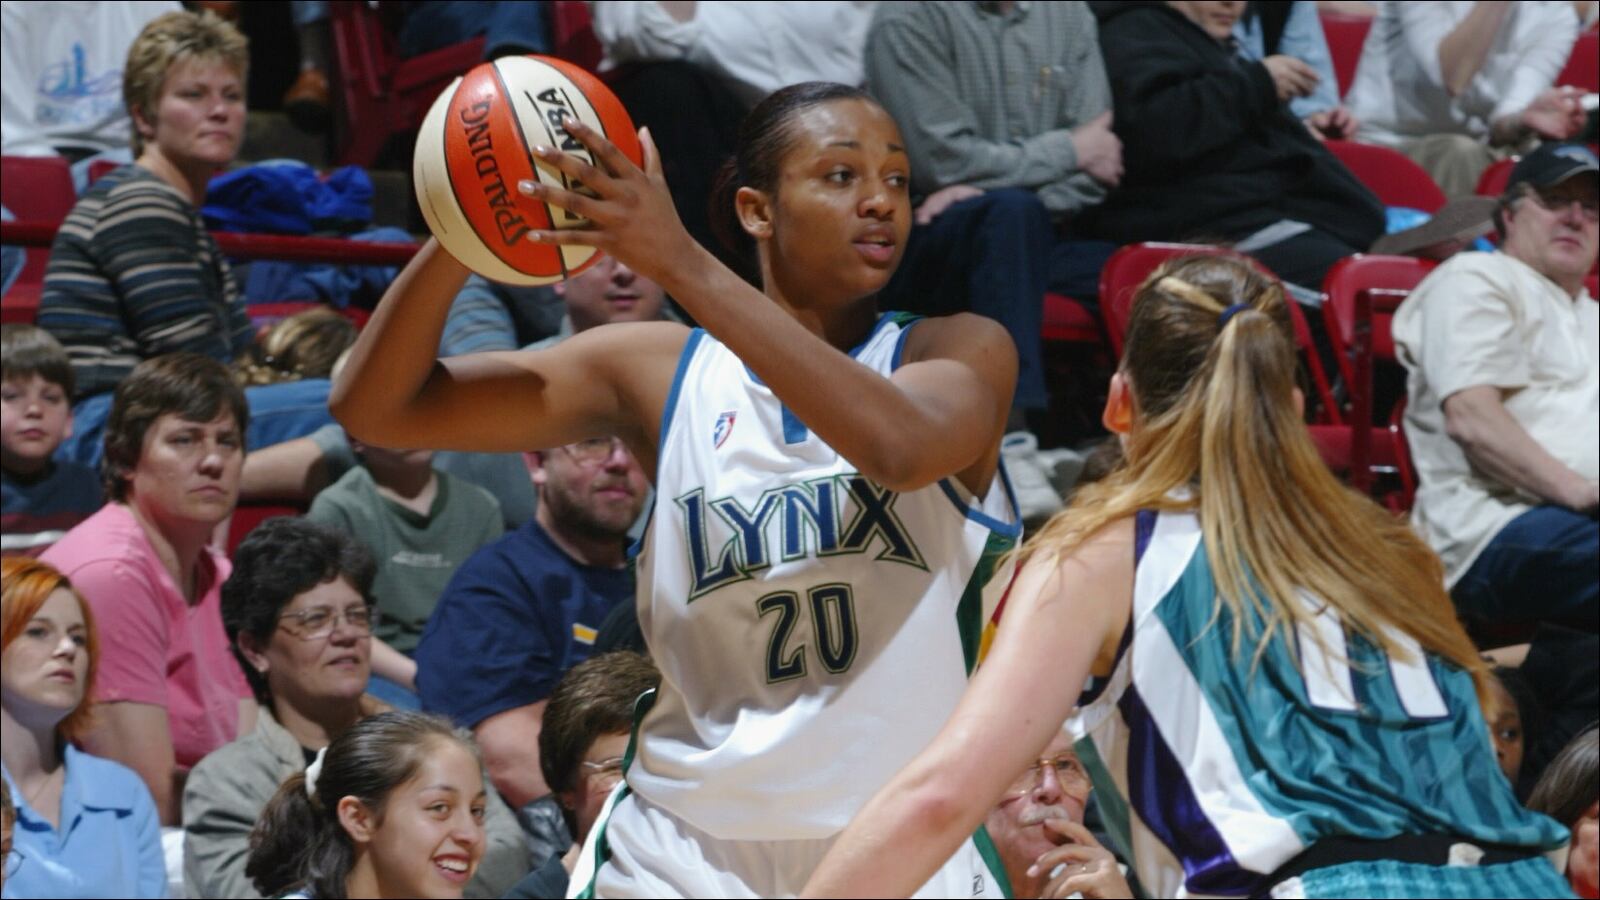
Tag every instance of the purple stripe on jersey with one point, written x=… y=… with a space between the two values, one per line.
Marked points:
x=1165 y=802
x=1144 y=526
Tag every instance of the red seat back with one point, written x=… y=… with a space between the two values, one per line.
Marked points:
x=380 y=94
x=572 y=34
x=1583 y=66
x=1492 y=183
x=1381 y=284
x=1346 y=36
x=1391 y=175
x=35 y=189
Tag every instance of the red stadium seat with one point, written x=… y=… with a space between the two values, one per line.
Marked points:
x=248 y=515
x=572 y=34
x=1492 y=183
x=1346 y=36
x=1363 y=292
x=382 y=95
x=1583 y=66
x=1391 y=175
x=34 y=188
x=1066 y=320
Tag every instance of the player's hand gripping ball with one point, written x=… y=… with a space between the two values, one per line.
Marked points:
x=473 y=148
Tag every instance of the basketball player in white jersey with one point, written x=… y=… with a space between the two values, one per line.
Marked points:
x=830 y=513
x=1283 y=701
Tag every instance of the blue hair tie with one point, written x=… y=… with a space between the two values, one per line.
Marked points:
x=1230 y=312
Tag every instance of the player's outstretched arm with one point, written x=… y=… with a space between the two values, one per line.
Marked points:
x=944 y=416
x=1065 y=615
x=395 y=392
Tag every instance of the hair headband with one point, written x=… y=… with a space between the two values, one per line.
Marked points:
x=1230 y=312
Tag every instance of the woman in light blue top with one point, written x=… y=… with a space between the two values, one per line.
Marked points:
x=86 y=827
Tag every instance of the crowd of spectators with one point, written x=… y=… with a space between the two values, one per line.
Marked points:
x=260 y=714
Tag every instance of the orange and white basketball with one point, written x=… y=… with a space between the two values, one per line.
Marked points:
x=474 y=146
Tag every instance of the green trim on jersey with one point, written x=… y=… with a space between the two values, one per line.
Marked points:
x=969 y=611
x=602 y=847
x=991 y=859
x=1113 y=805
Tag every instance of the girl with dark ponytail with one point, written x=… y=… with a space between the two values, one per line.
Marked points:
x=1261 y=666
x=392 y=808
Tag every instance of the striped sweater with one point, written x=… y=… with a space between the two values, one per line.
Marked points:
x=133 y=274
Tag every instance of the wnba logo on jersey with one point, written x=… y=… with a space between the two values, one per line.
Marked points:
x=723 y=428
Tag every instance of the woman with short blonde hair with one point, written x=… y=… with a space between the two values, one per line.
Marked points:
x=133 y=271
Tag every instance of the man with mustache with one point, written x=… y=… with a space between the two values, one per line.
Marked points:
x=524 y=609
x=1037 y=828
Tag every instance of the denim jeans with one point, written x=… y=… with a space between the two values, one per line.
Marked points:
x=1544 y=565
x=996 y=255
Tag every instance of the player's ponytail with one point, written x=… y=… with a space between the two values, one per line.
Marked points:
x=765 y=138
x=1212 y=367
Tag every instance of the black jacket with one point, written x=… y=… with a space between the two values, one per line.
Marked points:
x=1208 y=150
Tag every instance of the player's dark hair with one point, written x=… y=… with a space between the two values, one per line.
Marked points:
x=298 y=841
x=281 y=559
x=1570 y=782
x=765 y=137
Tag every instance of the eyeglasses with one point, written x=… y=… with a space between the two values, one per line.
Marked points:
x=602 y=774
x=1588 y=207
x=13 y=862
x=1069 y=773
x=319 y=621
x=594 y=451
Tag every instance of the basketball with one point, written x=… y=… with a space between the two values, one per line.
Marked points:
x=474 y=146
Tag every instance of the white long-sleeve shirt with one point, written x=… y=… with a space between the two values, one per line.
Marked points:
x=755 y=47
x=1399 y=89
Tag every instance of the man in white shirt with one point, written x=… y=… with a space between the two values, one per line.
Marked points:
x=1454 y=85
x=1503 y=356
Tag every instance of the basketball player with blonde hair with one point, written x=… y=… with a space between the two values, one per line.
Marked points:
x=1282 y=700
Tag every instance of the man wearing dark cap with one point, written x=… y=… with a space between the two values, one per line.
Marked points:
x=1502 y=352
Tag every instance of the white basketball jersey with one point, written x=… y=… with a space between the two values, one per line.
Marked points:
x=813 y=629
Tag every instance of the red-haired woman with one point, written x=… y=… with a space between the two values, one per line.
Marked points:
x=86 y=827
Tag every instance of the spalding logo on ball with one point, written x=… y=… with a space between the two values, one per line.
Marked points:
x=474 y=147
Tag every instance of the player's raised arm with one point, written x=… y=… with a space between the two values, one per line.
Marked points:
x=825 y=247
x=396 y=392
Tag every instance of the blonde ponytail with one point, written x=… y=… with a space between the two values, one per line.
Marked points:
x=1211 y=363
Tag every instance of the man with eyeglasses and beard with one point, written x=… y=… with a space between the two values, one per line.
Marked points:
x=523 y=610
x=1037 y=829
x=1502 y=353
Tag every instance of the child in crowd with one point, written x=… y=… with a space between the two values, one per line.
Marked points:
x=420 y=525
x=394 y=807
x=40 y=498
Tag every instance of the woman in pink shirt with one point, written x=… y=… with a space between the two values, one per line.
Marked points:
x=170 y=689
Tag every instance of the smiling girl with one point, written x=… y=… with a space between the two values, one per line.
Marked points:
x=394 y=807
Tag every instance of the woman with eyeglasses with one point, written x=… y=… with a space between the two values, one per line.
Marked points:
x=299 y=615
x=85 y=826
